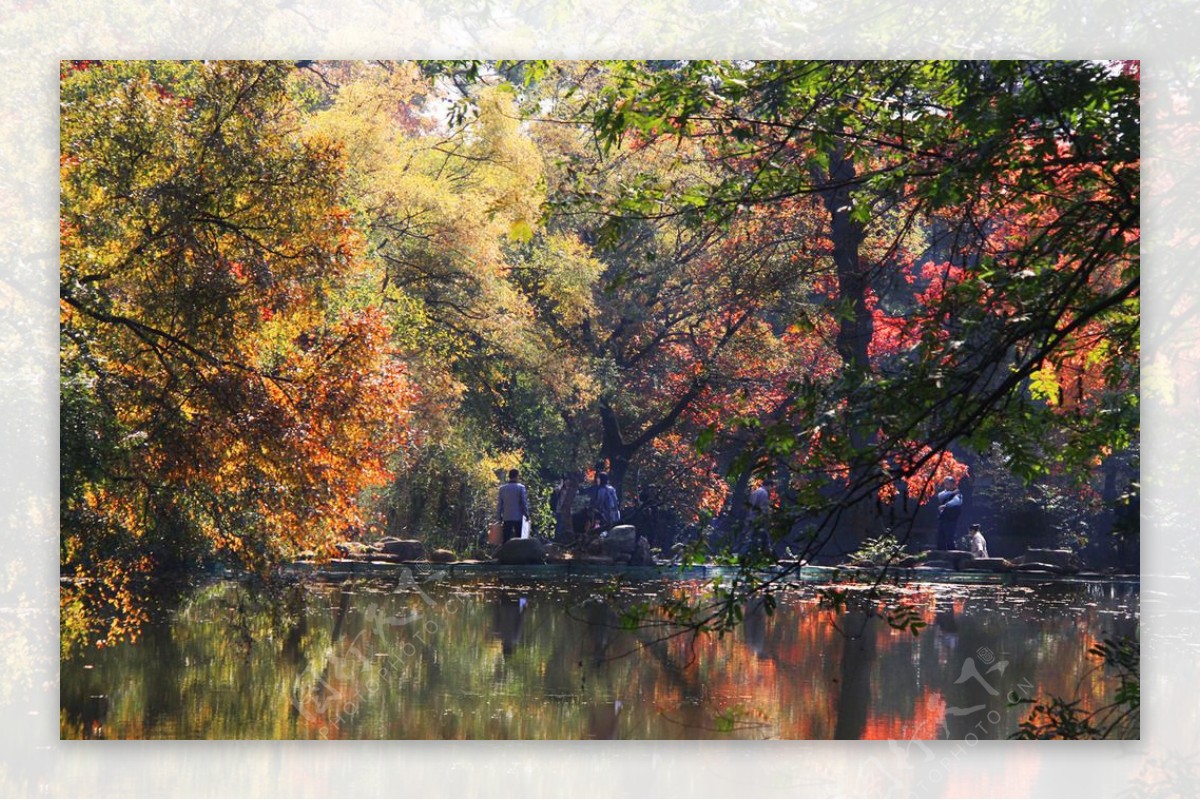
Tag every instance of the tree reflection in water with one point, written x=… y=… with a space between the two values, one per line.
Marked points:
x=518 y=659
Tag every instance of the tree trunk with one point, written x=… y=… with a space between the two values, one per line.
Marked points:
x=855 y=328
x=613 y=448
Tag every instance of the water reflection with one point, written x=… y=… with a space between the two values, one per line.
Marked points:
x=854 y=694
x=602 y=621
x=512 y=659
x=510 y=614
x=754 y=626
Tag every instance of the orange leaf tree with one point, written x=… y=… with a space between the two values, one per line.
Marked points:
x=224 y=389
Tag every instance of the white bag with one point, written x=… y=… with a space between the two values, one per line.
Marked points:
x=525 y=528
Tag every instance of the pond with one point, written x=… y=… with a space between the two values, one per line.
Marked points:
x=501 y=657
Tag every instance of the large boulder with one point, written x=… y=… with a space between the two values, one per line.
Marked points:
x=522 y=551
x=404 y=549
x=352 y=549
x=443 y=556
x=621 y=540
x=1065 y=560
x=556 y=554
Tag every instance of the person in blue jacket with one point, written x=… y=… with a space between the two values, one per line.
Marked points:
x=607 y=510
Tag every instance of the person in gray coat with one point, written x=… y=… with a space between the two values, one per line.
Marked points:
x=512 y=505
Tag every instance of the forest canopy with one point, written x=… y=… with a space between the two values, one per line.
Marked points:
x=306 y=302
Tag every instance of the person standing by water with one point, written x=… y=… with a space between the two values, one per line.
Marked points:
x=949 y=501
x=608 y=512
x=756 y=517
x=563 y=508
x=512 y=505
x=976 y=543
x=555 y=491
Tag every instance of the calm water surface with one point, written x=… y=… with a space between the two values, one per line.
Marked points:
x=517 y=658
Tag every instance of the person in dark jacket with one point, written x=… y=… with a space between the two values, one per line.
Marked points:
x=949 y=501
x=512 y=505
x=607 y=510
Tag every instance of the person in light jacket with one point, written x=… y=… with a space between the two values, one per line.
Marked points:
x=976 y=543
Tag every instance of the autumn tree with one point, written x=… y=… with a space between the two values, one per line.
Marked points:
x=227 y=388
x=1005 y=194
x=544 y=343
x=679 y=325
x=441 y=204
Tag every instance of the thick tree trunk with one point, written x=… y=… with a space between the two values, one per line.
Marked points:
x=855 y=329
x=613 y=449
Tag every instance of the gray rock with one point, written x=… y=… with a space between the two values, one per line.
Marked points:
x=443 y=556
x=522 y=551
x=1065 y=560
x=621 y=540
x=404 y=549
